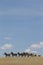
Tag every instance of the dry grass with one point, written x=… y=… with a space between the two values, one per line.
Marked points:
x=22 y=61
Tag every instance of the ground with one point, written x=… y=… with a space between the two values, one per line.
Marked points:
x=22 y=61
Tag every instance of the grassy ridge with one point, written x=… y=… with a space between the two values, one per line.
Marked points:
x=22 y=61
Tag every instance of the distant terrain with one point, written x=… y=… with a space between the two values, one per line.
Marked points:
x=21 y=61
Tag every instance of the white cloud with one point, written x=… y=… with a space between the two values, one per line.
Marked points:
x=34 y=47
x=40 y=45
x=28 y=50
x=6 y=46
x=7 y=38
x=33 y=51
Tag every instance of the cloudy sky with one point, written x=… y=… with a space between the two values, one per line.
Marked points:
x=21 y=24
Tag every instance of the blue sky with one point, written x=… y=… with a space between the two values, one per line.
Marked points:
x=22 y=21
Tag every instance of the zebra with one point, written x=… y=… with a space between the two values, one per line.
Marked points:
x=13 y=54
x=7 y=54
x=20 y=54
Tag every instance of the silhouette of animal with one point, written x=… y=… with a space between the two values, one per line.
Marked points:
x=20 y=54
x=7 y=54
x=39 y=55
x=13 y=54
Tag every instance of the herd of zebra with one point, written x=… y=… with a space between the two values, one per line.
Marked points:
x=24 y=54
